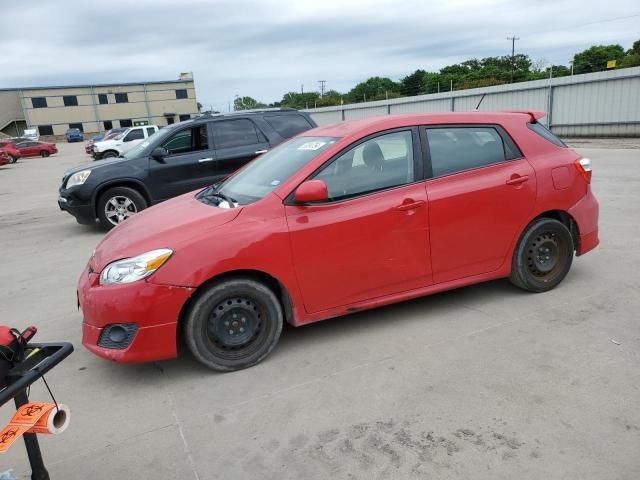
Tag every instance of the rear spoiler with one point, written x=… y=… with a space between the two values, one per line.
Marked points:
x=534 y=114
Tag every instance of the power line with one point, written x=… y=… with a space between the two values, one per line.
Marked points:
x=606 y=20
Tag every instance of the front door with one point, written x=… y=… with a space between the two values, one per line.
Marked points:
x=482 y=189
x=370 y=239
x=189 y=165
x=237 y=142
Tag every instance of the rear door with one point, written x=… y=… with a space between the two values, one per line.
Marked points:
x=28 y=149
x=189 y=165
x=237 y=141
x=481 y=188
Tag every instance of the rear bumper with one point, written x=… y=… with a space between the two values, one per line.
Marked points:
x=586 y=213
x=154 y=309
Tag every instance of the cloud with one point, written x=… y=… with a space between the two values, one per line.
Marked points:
x=266 y=48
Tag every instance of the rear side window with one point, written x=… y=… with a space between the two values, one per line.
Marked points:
x=457 y=149
x=288 y=125
x=188 y=140
x=235 y=133
x=545 y=133
x=150 y=131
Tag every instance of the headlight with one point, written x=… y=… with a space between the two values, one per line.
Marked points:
x=78 y=178
x=133 y=269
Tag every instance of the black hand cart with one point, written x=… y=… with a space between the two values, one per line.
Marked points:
x=39 y=358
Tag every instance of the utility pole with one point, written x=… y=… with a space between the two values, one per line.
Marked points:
x=513 y=52
x=302 y=89
x=322 y=84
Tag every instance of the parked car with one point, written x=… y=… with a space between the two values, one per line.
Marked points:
x=9 y=147
x=74 y=135
x=36 y=149
x=340 y=219
x=4 y=158
x=123 y=142
x=108 y=135
x=31 y=134
x=180 y=158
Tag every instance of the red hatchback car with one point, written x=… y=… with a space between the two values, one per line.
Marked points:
x=340 y=219
x=36 y=149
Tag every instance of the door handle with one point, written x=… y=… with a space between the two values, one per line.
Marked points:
x=517 y=179
x=410 y=205
x=260 y=152
x=204 y=160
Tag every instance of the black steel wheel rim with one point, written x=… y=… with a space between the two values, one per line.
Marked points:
x=236 y=327
x=546 y=255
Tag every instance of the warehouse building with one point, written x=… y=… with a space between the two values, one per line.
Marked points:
x=96 y=108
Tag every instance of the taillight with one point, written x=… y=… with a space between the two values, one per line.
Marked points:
x=583 y=166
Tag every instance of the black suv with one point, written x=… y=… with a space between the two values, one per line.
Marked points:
x=178 y=159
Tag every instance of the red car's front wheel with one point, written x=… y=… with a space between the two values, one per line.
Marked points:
x=233 y=324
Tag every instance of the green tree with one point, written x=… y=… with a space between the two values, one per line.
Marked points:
x=299 y=100
x=246 y=103
x=374 y=88
x=412 y=84
x=594 y=59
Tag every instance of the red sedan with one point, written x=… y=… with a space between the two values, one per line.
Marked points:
x=340 y=219
x=9 y=148
x=36 y=149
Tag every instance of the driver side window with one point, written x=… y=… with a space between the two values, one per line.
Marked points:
x=382 y=162
x=188 y=140
x=136 y=134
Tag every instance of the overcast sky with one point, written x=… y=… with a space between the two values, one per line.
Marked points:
x=264 y=48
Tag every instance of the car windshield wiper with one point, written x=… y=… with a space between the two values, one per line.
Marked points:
x=222 y=196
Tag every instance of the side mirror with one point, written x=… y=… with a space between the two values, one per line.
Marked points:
x=312 y=191
x=159 y=153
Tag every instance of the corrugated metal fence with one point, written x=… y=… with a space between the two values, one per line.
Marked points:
x=593 y=104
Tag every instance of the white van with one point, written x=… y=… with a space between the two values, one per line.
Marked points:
x=31 y=134
x=124 y=142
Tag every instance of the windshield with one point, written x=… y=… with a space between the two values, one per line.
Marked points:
x=265 y=173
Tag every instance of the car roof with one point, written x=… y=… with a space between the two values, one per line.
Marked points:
x=373 y=124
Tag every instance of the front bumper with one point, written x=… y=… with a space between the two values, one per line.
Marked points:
x=153 y=308
x=85 y=214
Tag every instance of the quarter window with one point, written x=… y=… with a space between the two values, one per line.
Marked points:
x=45 y=130
x=122 y=98
x=150 y=131
x=39 y=102
x=235 y=133
x=70 y=100
x=137 y=134
x=379 y=163
x=457 y=149
x=288 y=125
x=188 y=140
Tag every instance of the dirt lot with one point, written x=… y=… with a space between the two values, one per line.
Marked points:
x=485 y=382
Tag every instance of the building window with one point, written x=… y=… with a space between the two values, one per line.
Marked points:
x=45 y=129
x=182 y=93
x=108 y=124
x=103 y=99
x=76 y=125
x=122 y=98
x=39 y=102
x=126 y=122
x=170 y=120
x=184 y=117
x=70 y=100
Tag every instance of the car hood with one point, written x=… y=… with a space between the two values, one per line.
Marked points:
x=170 y=224
x=94 y=165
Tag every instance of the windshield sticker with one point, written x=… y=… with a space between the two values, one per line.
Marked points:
x=311 y=145
x=275 y=183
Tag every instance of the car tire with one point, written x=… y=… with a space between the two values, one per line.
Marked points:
x=233 y=324
x=44 y=154
x=109 y=154
x=118 y=204
x=13 y=159
x=543 y=256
